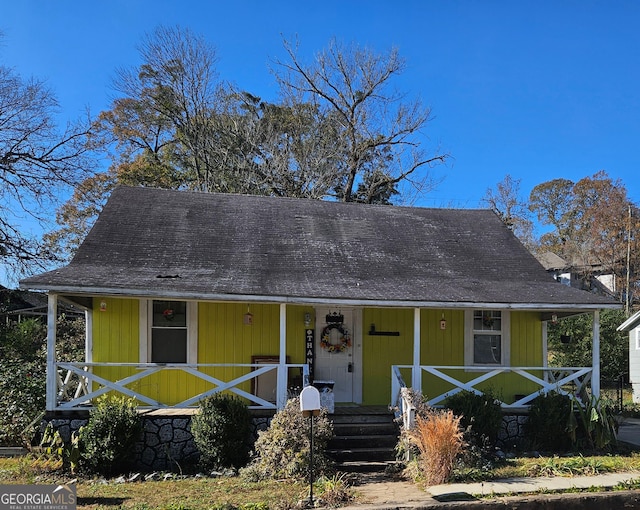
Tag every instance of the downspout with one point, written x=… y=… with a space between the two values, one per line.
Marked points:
x=595 y=375
x=88 y=336
x=52 y=376
x=416 y=373
x=281 y=385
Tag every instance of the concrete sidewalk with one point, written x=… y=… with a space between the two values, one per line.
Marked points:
x=378 y=493
x=530 y=484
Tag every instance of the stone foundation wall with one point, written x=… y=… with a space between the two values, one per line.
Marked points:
x=166 y=443
x=511 y=435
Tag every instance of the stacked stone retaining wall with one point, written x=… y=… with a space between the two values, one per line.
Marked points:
x=166 y=443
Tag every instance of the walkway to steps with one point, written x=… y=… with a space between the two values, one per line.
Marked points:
x=364 y=437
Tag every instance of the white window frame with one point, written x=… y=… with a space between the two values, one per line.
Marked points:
x=505 y=338
x=636 y=332
x=146 y=322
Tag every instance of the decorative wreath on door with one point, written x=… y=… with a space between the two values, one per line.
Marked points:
x=342 y=345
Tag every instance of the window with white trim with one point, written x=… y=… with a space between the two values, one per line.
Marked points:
x=487 y=338
x=170 y=328
x=637 y=333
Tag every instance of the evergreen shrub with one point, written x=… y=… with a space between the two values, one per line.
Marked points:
x=481 y=415
x=107 y=440
x=549 y=425
x=222 y=432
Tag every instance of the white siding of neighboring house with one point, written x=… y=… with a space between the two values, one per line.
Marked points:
x=608 y=280
x=634 y=362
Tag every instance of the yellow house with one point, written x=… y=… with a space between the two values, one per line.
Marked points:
x=188 y=294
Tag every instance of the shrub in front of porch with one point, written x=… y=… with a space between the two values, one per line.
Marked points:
x=108 y=439
x=283 y=450
x=481 y=415
x=560 y=423
x=221 y=430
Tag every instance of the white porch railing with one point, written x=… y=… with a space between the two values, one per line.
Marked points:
x=565 y=380
x=78 y=385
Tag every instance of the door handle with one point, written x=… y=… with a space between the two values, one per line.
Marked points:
x=350 y=367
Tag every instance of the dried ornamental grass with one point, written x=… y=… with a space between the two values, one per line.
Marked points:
x=439 y=438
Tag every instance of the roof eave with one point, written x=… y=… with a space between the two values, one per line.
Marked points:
x=191 y=296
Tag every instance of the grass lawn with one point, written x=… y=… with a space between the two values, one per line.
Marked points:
x=232 y=492
x=179 y=493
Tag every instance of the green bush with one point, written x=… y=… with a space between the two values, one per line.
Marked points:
x=23 y=363
x=107 y=440
x=549 y=425
x=283 y=450
x=221 y=430
x=481 y=414
x=22 y=399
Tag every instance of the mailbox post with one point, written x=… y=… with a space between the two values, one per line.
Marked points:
x=310 y=406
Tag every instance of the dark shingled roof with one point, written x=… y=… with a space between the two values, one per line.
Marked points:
x=152 y=242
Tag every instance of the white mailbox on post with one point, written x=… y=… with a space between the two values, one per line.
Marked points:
x=310 y=401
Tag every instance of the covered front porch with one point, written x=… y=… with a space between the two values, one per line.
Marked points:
x=76 y=385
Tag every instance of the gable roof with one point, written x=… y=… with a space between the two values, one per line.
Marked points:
x=550 y=261
x=190 y=245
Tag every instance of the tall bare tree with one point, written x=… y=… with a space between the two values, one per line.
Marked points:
x=380 y=130
x=506 y=202
x=38 y=163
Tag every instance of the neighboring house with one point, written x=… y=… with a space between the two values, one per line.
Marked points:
x=188 y=294
x=16 y=305
x=632 y=326
x=581 y=274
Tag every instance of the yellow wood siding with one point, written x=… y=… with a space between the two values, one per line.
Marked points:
x=380 y=352
x=441 y=347
x=115 y=336
x=224 y=338
x=526 y=351
x=446 y=348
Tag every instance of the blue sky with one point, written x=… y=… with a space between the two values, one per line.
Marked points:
x=535 y=89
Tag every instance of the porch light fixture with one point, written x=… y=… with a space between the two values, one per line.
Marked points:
x=307 y=319
x=248 y=317
x=443 y=323
x=103 y=306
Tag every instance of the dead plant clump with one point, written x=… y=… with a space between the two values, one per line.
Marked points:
x=439 y=438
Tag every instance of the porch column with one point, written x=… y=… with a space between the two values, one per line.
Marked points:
x=52 y=376
x=416 y=378
x=545 y=349
x=595 y=375
x=281 y=386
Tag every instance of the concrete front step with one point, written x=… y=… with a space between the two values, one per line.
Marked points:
x=369 y=466
x=364 y=441
x=359 y=429
x=361 y=454
x=382 y=417
x=362 y=438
